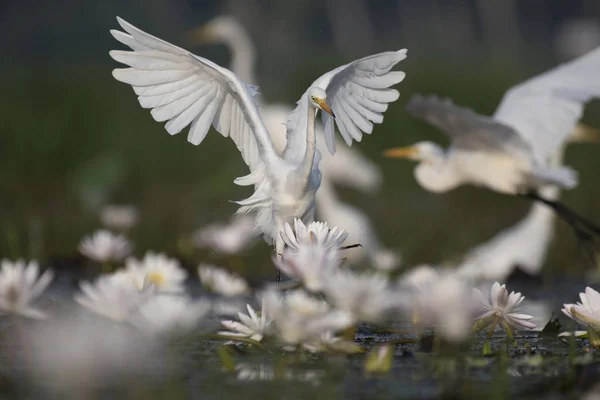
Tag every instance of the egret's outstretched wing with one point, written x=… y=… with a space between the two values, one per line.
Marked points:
x=185 y=89
x=466 y=128
x=545 y=109
x=358 y=93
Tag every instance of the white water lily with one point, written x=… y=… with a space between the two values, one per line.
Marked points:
x=113 y=296
x=367 y=297
x=586 y=312
x=299 y=318
x=119 y=217
x=166 y=314
x=105 y=246
x=20 y=285
x=157 y=269
x=502 y=310
x=315 y=233
x=229 y=238
x=221 y=281
x=251 y=326
x=308 y=263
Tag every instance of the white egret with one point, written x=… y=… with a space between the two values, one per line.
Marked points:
x=526 y=243
x=348 y=167
x=185 y=89
x=509 y=151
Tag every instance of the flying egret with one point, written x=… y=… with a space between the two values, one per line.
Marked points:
x=526 y=243
x=509 y=151
x=348 y=167
x=185 y=89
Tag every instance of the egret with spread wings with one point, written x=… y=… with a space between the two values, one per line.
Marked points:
x=347 y=167
x=509 y=151
x=182 y=89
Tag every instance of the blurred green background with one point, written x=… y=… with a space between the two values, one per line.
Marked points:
x=74 y=139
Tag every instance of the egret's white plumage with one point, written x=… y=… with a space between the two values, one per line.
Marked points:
x=526 y=243
x=185 y=89
x=348 y=167
x=509 y=151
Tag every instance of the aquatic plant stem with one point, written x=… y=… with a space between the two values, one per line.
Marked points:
x=492 y=329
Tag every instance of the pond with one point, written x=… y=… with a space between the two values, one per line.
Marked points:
x=87 y=358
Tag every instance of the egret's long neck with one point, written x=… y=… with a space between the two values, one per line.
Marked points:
x=243 y=56
x=311 y=143
x=304 y=169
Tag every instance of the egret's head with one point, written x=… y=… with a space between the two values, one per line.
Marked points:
x=421 y=151
x=222 y=29
x=318 y=99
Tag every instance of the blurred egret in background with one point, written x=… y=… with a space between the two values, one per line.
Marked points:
x=347 y=167
x=185 y=89
x=526 y=243
x=509 y=151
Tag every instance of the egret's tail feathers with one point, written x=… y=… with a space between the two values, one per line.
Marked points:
x=264 y=220
x=564 y=177
x=246 y=180
x=258 y=199
x=255 y=177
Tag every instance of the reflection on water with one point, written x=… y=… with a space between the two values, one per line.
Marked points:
x=265 y=372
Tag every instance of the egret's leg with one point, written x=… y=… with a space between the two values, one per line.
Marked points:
x=565 y=212
x=583 y=228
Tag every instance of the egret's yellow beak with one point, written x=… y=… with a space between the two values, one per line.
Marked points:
x=584 y=134
x=401 y=152
x=325 y=107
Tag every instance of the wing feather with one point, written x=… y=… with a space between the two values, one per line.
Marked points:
x=190 y=104
x=466 y=128
x=367 y=113
x=153 y=60
x=167 y=98
x=137 y=77
x=147 y=91
x=359 y=120
x=203 y=121
x=545 y=109
x=182 y=89
x=372 y=105
x=358 y=93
